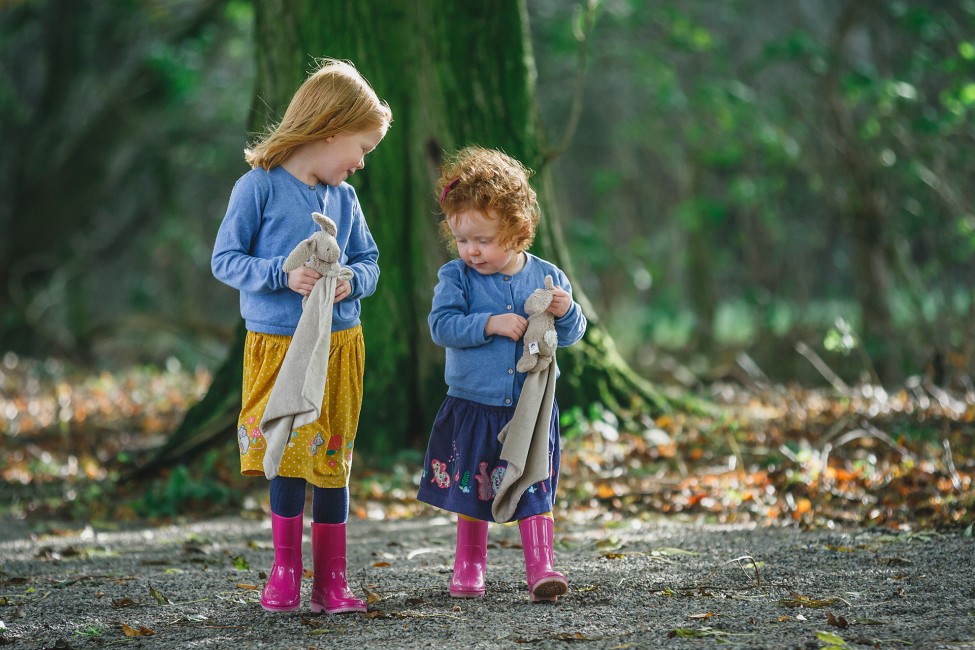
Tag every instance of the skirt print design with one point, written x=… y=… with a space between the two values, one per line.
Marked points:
x=463 y=467
x=320 y=452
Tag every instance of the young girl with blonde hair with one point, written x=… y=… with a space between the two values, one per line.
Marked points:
x=334 y=119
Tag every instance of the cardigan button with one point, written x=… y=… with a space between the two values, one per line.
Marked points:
x=507 y=401
x=511 y=371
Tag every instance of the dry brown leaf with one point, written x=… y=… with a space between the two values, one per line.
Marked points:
x=372 y=597
x=130 y=631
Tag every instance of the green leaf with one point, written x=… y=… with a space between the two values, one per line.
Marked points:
x=834 y=640
x=692 y=633
x=967 y=94
x=667 y=550
x=158 y=595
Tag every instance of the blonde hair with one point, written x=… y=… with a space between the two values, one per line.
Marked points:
x=488 y=180
x=334 y=99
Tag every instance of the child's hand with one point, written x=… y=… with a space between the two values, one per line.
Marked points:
x=511 y=325
x=343 y=289
x=302 y=280
x=561 y=302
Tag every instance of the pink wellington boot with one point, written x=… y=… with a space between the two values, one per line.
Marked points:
x=282 y=592
x=544 y=582
x=330 y=592
x=469 y=559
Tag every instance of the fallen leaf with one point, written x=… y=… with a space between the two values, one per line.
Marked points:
x=122 y=602
x=692 y=633
x=609 y=542
x=244 y=585
x=837 y=622
x=701 y=617
x=605 y=491
x=669 y=550
x=130 y=631
x=797 y=600
x=372 y=597
x=419 y=551
x=158 y=595
x=834 y=639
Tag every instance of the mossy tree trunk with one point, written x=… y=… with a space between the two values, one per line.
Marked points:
x=454 y=73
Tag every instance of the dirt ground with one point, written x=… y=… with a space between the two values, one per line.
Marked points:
x=635 y=585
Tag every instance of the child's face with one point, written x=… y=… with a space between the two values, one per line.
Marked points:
x=340 y=156
x=476 y=237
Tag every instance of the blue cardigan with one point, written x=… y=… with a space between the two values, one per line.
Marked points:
x=481 y=368
x=268 y=215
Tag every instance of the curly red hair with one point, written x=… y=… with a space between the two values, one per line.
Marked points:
x=494 y=184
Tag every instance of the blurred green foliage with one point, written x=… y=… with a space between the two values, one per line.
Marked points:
x=745 y=175
x=188 y=489
x=714 y=193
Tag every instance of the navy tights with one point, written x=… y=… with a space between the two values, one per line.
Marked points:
x=329 y=505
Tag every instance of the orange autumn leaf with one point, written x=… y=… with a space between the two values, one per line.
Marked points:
x=605 y=491
x=802 y=507
x=130 y=631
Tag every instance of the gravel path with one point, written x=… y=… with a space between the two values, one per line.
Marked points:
x=663 y=585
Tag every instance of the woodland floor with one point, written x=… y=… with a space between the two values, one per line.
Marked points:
x=777 y=516
x=662 y=584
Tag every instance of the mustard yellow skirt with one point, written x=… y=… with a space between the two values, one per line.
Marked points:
x=320 y=452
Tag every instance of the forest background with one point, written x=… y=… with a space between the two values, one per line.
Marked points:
x=766 y=204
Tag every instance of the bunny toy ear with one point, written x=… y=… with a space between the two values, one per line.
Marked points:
x=549 y=284
x=327 y=224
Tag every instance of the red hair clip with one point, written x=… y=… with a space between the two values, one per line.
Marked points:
x=449 y=186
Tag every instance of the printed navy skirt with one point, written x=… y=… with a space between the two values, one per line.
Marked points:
x=463 y=466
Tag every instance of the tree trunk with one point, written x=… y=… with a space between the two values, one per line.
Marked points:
x=454 y=73
x=76 y=115
x=863 y=212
